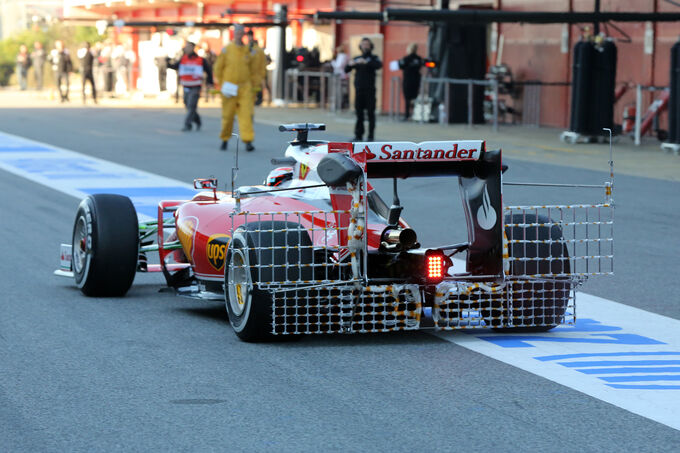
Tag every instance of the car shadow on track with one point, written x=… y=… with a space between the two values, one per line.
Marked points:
x=412 y=338
x=218 y=313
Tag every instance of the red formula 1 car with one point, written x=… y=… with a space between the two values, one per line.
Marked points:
x=316 y=250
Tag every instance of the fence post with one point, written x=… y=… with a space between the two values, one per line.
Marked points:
x=305 y=89
x=286 y=87
x=333 y=92
x=469 y=99
x=322 y=96
x=638 y=113
x=495 y=104
x=421 y=98
x=295 y=86
x=447 y=100
x=391 y=100
x=397 y=96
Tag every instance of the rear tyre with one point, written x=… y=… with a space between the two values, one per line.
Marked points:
x=541 y=304
x=250 y=261
x=105 y=245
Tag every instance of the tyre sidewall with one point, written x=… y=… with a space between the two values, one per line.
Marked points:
x=85 y=211
x=239 y=322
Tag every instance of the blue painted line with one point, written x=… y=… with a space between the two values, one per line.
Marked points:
x=23 y=149
x=654 y=377
x=664 y=369
x=524 y=341
x=602 y=354
x=617 y=363
x=162 y=193
x=146 y=199
x=586 y=325
x=644 y=387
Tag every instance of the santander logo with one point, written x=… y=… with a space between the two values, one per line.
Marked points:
x=448 y=151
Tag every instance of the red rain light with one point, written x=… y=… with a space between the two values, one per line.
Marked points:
x=300 y=58
x=435 y=267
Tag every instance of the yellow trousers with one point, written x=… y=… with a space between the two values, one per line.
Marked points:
x=242 y=105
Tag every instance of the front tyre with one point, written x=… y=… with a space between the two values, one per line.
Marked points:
x=105 y=245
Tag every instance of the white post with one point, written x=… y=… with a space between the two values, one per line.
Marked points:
x=638 y=114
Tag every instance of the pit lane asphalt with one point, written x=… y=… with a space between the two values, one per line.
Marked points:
x=155 y=372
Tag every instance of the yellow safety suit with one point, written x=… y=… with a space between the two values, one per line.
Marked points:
x=235 y=65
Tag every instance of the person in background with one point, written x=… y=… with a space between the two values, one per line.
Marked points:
x=106 y=66
x=62 y=67
x=23 y=63
x=191 y=69
x=86 y=57
x=339 y=62
x=234 y=68
x=209 y=56
x=162 y=65
x=97 y=65
x=365 y=66
x=38 y=61
x=259 y=66
x=410 y=66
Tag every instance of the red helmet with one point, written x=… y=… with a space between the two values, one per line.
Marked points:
x=279 y=175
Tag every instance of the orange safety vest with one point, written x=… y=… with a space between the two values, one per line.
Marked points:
x=191 y=71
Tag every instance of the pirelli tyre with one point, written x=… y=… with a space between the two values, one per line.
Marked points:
x=105 y=245
x=538 y=305
x=262 y=252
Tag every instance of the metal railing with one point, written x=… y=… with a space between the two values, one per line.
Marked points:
x=649 y=116
x=395 y=96
x=313 y=88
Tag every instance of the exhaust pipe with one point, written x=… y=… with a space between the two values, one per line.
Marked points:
x=399 y=238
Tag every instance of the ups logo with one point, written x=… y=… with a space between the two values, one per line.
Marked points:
x=216 y=250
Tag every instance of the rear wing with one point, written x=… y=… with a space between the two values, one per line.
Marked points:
x=478 y=170
x=408 y=159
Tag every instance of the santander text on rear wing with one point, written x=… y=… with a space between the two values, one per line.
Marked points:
x=405 y=159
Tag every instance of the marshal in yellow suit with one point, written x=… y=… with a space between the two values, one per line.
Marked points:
x=236 y=65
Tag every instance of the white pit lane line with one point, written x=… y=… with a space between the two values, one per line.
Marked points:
x=616 y=353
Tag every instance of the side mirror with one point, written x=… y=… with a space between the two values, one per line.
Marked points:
x=337 y=169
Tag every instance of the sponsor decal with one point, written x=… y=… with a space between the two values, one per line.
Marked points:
x=449 y=151
x=186 y=232
x=66 y=256
x=486 y=214
x=304 y=170
x=216 y=250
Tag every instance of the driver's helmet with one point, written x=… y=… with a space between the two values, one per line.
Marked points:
x=278 y=175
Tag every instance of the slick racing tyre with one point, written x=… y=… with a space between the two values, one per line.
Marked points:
x=537 y=306
x=105 y=245
x=250 y=260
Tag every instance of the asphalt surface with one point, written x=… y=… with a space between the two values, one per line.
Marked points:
x=155 y=372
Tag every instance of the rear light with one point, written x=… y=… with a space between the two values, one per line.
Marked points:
x=435 y=266
x=300 y=58
x=430 y=64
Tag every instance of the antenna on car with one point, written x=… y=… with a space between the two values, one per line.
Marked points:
x=610 y=185
x=234 y=169
x=302 y=130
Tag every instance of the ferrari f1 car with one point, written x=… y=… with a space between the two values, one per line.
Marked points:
x=315 y=249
